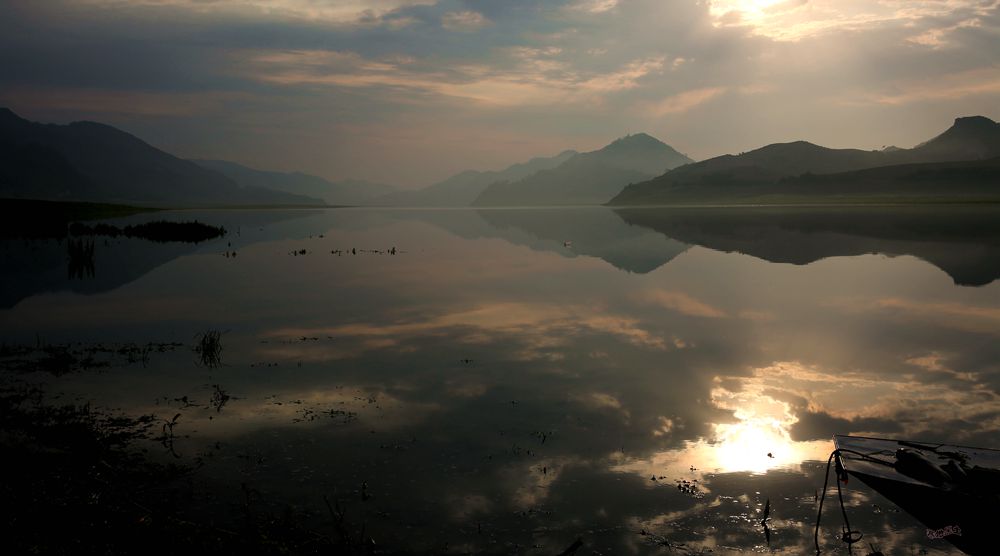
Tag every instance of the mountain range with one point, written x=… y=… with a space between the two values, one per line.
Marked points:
x=347 y=192
x=463 y=188
x=89 y=161
x=590 y=178
x=961 y=163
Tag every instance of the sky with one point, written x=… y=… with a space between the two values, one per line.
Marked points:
x=408 y=92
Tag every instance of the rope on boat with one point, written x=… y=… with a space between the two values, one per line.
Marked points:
x=848 y=535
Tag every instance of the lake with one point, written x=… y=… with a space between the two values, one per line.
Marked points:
x=508 y=381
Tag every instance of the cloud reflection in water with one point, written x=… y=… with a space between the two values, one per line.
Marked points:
x=536 y=392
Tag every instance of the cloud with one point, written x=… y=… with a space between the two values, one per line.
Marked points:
x=959 y=316
x=535 y=79
x=793 y=20
x=954 y=86
x=938 y=37
x=102 y=101
x=683 y=102
x=714 y=77
x=542 y=330
x=339 y=11
x=814 y=402
x=466 y=21
x=682 y=303
x=595 y=6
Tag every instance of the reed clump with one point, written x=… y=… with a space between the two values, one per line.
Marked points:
x=208 y=346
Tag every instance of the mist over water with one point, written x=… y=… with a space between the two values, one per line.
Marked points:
x=507 y=381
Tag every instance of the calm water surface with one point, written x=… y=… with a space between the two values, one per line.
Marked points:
x=509 y=381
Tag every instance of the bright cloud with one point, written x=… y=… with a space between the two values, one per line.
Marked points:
x=797 y=19
x=534 y=79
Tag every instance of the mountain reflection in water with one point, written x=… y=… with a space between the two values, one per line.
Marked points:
x=508 y=381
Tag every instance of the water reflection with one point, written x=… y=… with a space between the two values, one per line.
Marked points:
x=491 y=389
x=38 y=265
x=962 y=241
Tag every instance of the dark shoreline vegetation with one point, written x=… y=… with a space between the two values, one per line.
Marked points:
x=806 y=201
x=93 y=480
x=969 y=183
x=37 y=219
x=33 y=219
x=159 y=231
x=790 y=200
x=87 y=484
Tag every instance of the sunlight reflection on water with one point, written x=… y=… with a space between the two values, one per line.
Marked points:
x=495 y=389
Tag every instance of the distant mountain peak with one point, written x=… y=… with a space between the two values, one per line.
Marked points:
x=588 y=178
x=800 y=144
x=7 y=116
x=636 y=139
x=92 y=126
x=970 y=137
x=973 y=121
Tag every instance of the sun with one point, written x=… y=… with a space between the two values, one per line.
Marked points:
x=746 y=8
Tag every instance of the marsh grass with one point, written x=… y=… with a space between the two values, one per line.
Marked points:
x=80 y=253
x=208 y=346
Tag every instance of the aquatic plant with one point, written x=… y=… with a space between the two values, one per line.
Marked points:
x=208 y=346
x=219 y=398
x=80 y=254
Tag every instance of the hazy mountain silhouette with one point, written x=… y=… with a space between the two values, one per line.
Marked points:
x=964 y=242
x=585 y=232
x=88 y=161
x=971 y=138
x=462 y=189
x=764 y=172
x=346 y=192
x=588 y=232
x=588 y=178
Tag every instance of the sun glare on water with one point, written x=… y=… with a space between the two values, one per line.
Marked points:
x=754 y=445
x=757 y=442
